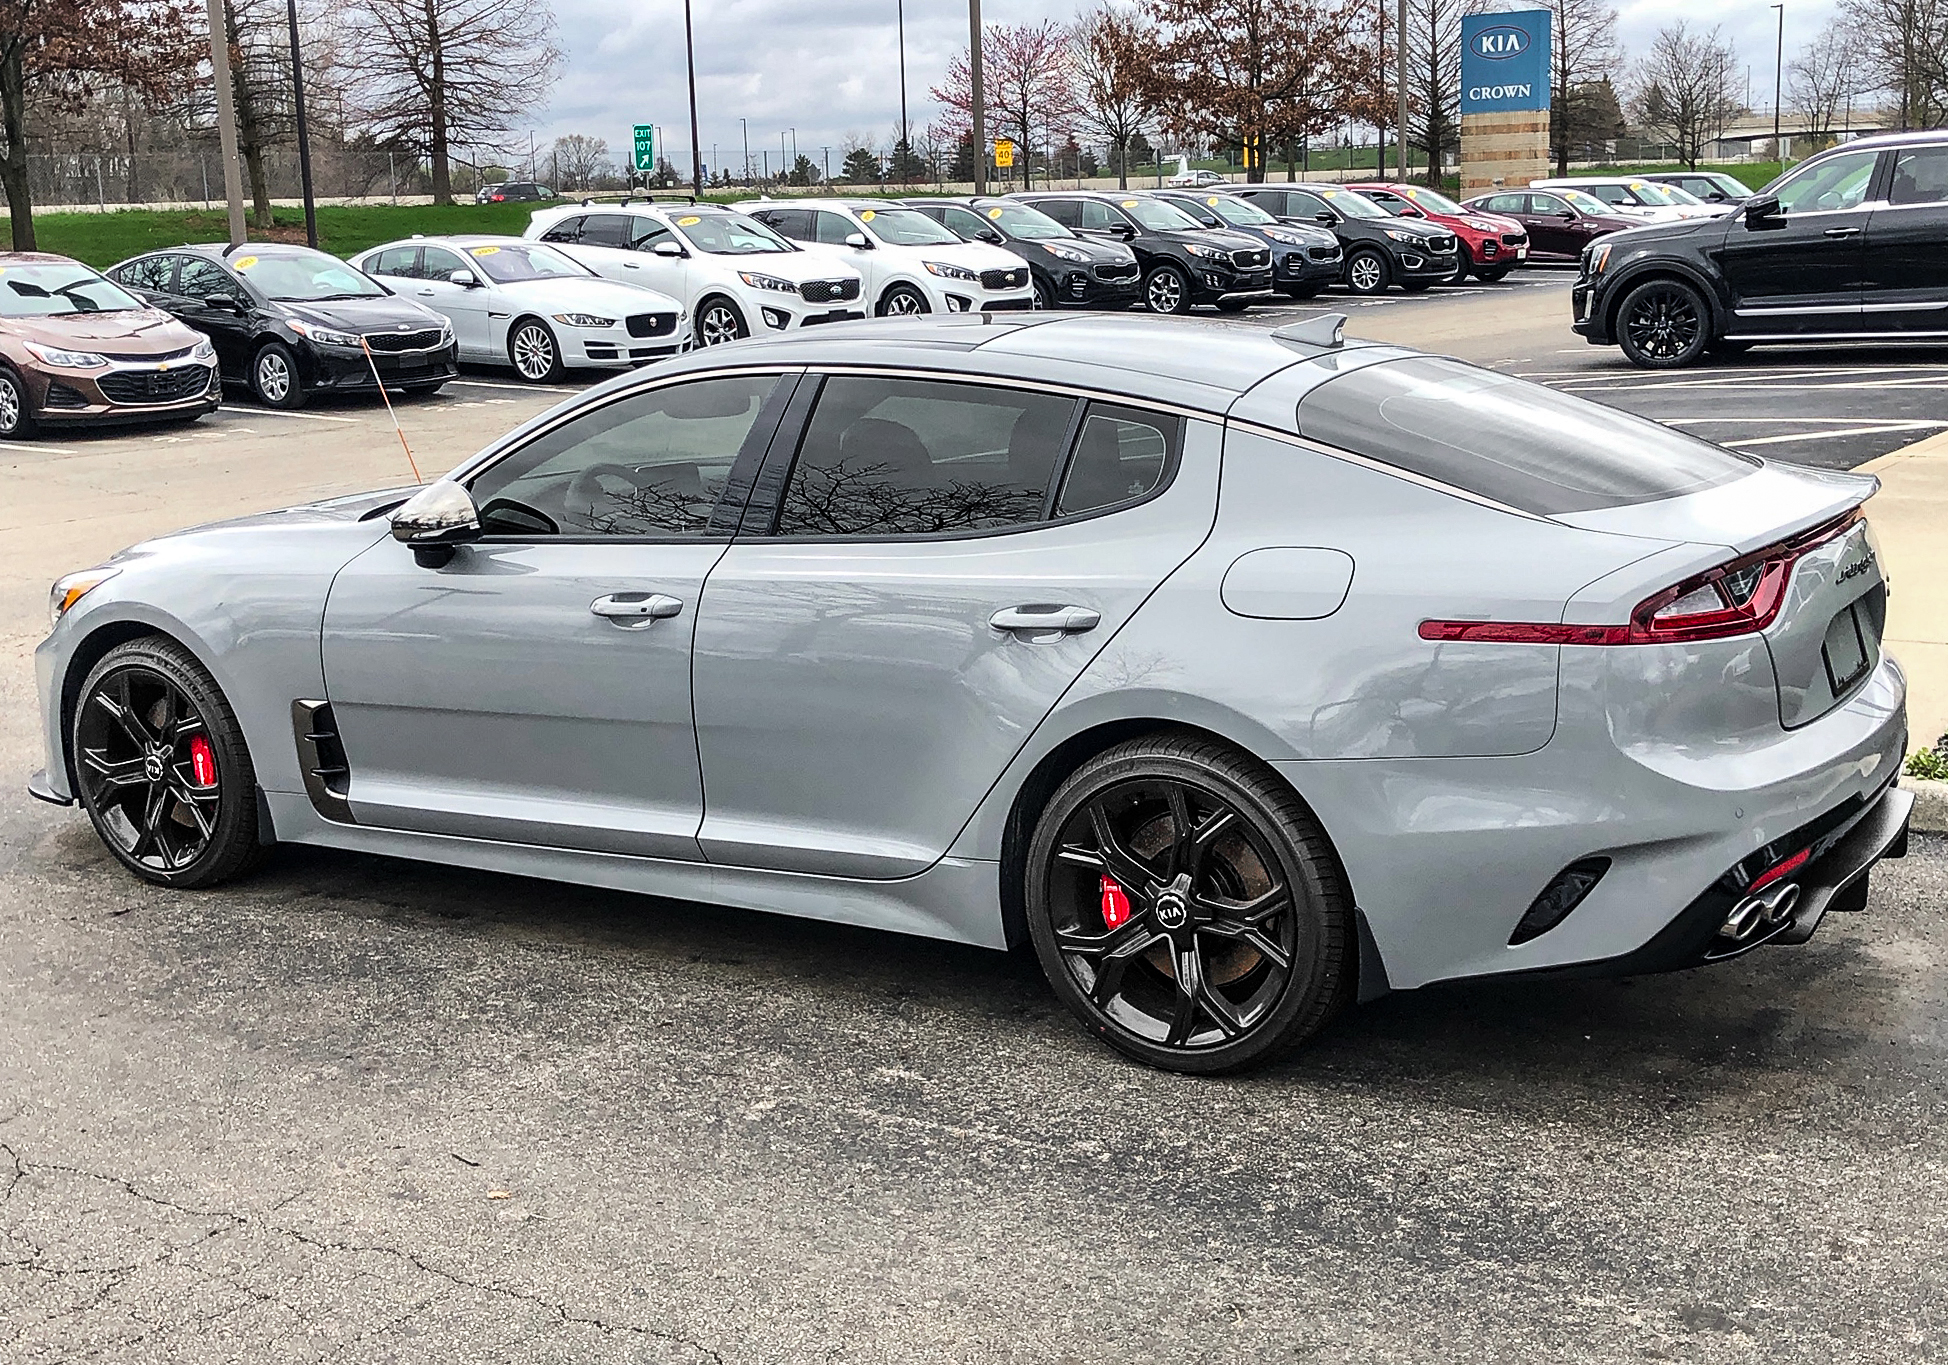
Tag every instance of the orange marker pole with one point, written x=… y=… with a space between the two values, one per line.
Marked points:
x=363 y=345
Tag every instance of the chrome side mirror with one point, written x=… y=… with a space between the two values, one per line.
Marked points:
x=434 y=520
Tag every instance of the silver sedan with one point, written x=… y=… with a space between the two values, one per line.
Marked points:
x=1247 y=675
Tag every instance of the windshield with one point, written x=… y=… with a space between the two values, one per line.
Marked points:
x=511 y=262
x=1432 y=201
x=729 y=234
x=1584 y=202
x=1353 y=205
x=38 y=291
x=305 y=277
x=1238 y=212
x=1661 y=195
x=1157 y=215
x=1018 y=220
x=906 y=227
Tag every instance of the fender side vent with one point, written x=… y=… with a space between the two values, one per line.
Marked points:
x=327 y=776
x=1564 y=893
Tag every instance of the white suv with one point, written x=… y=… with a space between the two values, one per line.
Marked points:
x=735 y=276
x=1631 y=196
x=911 y=263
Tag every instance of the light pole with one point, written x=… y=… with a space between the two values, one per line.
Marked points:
x=696 y=145
x=974 y=110
x=745 y=129
x=304 y=137
x=226 y=120
x=906 y=133
x=1778 y=70
x=1400 y=59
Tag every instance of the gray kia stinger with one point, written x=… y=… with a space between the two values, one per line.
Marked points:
x=1244 y=674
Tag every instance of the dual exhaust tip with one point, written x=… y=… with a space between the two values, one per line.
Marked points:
x=1768 y=909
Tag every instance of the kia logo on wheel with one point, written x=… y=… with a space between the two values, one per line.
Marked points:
x=1504 y=40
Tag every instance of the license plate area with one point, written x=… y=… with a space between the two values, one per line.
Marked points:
x=1845 y=651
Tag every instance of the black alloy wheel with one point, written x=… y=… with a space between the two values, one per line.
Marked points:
x=1367 y=272
x=903 y=301
x=1662 y=325
x=1166 y=289
x=16 y=415
x=1044 y=296
x=162 y=768
x=1186 y=908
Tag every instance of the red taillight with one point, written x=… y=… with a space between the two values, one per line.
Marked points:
x=202 y=761
x=1116 y=904
x=1785 y=869
x=1732 y=599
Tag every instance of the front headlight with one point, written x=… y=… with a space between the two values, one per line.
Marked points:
x=1599 y=257
x=583 y=320
x=772 y=282
x=1284 y=237
x=950 y=272
x=325 y=336
x=71 y=588
x=1481 y=225
x=1216 y=253
x=1413 y=237
x=66 y=360
x=203 y=350
x=1064 y=253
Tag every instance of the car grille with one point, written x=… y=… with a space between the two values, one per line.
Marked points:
x=1323 y=253
x=1251 y=260
x=1514 y=238
x=1119 y=271
x=828 y=291
x=1005 y=279
x=154 y=386
x=651 y=324
x=59 y=395
x=423 y=340
x=147 y=357
x=1441 y=243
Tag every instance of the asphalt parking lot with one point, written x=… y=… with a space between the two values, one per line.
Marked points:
x=367 y=1110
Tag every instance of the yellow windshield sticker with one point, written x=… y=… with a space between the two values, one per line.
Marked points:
x=485 y=250
x=996 y=212
x=1212 y=199
x=1129 y=203
x=867 y=215
x=690 y=220
x=244 y=262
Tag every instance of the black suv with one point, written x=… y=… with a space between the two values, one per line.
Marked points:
x=291 y=322
x=1305 y=259
x=1847 y=246
x=1067 y=268
x=1381 y=250
x=1183 y=264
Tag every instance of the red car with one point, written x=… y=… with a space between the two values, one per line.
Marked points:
x=1491 y=246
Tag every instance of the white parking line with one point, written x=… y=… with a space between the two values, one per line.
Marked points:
x=300 y=416
x=1878 y=429
x=37 y=449
x=489 y=384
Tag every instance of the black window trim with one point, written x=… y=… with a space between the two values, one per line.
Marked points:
x=761 y=521
x=731 y=504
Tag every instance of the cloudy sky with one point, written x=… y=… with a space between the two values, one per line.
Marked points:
x=831 y=68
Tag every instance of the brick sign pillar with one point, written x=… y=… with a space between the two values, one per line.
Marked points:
x=1504 y=100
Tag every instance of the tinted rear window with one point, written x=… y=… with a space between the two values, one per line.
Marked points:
x=1521 y=444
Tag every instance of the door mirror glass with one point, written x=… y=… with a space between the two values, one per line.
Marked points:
x=1326 y=216
x=224 y=303
x=1760 y=207
x=990 y=236
x=666 y=249
x=1122 y=230
x=434 y=520
x=858 y=241
x=464 y=278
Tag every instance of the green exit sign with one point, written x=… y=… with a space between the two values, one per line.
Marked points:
x=645 y=146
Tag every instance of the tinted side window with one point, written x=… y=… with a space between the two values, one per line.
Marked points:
x=439 y=263
x=1120 y=455
x=568 y=229
x=834 y=227
x=653 y=464
x=1098 y=216
x=605 y=229
x=1839 y=182
x=1503 y=203
x=793 y=223
x=916 y=457
x=401 y=261
x=1547 y=203
x=201 y=280
x=1521 y=444
x=1920 y=176
x=1067 y=212
x=966 y=224
x=1303 y=205
x=645 y=233
x=150 y=272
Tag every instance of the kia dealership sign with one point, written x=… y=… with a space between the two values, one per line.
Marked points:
x=1505 y=62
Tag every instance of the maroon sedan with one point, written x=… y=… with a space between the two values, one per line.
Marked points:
x=1560 y=223
x=77 y=348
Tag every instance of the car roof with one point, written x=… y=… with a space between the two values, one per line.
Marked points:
x=38 y=258
x=1926 y=138
x=219 y=251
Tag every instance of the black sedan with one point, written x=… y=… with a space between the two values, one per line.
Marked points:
x=1381 y=250
x=1069 y=270
x=1183 y=263
x=1305 y=259
x=289 y=322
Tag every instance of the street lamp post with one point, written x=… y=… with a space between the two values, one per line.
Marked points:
x=1778 y=70
x=745 y=128
x=696 y=145
x=226 y=120
x=304 y=137
x=1400 y=59
x=906 y=133
x=975 y=111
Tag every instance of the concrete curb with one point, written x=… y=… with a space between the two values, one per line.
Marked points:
x=1930 y=805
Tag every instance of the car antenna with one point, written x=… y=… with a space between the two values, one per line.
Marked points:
x=1328 y=329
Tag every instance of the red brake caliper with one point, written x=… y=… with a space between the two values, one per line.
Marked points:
x=202 y=761
x=1116 y=904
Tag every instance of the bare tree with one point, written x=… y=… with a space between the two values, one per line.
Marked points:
x=1820 y=81
x=1110 y=47
x=1907 y=41
x=1434 y=78
x=433 y=71
x=579 y=159
x=1029 y=78
x=1687 y=88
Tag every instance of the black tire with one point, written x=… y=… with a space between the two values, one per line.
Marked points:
x=1368 y=272
x=274 y=378
x=1422 y=286
x=1304 y=291
x=1494 y=274
x=1044 y=296
x=136 y=722
x=1219 y=922
x=1166 y=289
x=16 y=409
x=902 y=301
x=719 y=320
x=1663 y=325
x=1233 y=305
x=534 y=351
